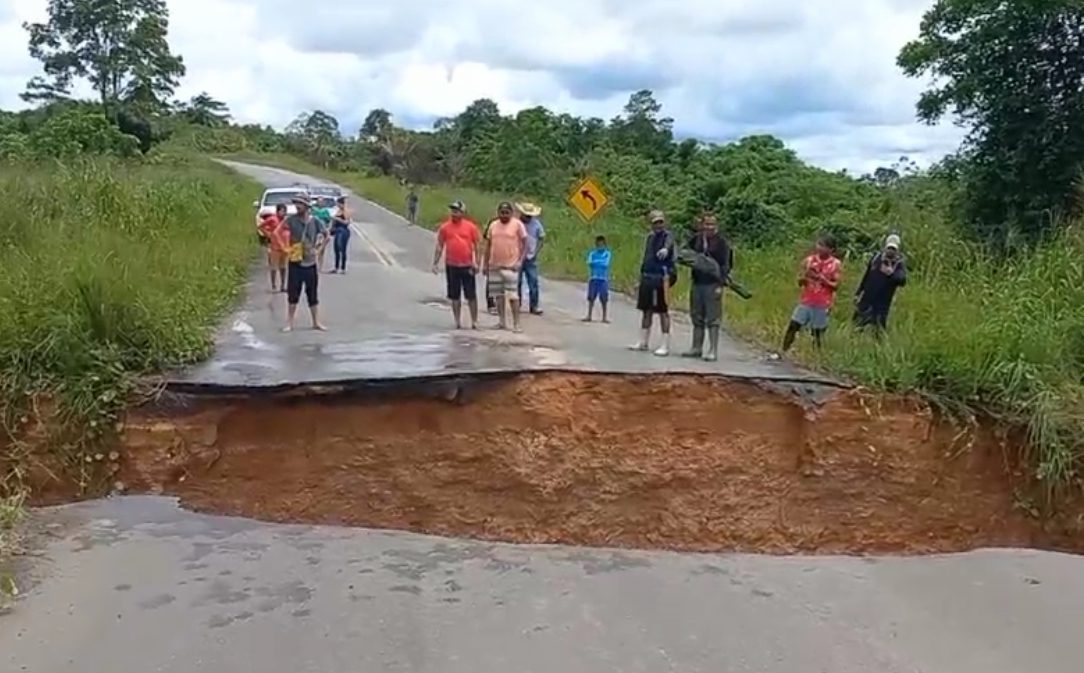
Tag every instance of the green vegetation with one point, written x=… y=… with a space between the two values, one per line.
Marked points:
x=119 y=253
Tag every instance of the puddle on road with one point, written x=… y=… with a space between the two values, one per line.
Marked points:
x=675 y=462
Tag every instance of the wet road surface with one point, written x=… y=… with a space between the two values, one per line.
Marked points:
x=134 y=585
x=388 y=318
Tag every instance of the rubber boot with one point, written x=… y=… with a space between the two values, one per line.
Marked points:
x=698 y=344
x=664 y=350
x=641 y=345
x=712 y=353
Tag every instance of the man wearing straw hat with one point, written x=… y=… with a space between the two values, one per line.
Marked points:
x=657 y=273
x=307 y=236
x=536 y=236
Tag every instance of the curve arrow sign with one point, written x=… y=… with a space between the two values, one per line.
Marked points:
x=590 y=197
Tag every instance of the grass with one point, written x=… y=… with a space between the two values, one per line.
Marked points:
x=111 y=271
x=1000 y=340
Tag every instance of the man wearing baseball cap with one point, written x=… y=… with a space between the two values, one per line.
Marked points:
x=885 y=273
x=657 y=274
x=307 y=236
x=457 y=240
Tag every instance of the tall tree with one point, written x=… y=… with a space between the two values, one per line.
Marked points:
x=377 y=125
x=119 y=46
x=1012 y=73
x=204 y=110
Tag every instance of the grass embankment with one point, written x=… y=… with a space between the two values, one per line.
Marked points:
x=111 y=271
x=1004 y=340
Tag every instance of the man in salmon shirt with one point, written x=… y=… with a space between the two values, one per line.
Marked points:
x=457 y=239
x=506 y=247
x=819 y=280
x=277 y=240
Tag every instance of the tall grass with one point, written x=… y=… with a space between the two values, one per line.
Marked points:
x=973 y=335
x=110 y=270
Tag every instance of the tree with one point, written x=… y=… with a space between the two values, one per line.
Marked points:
x=203 y=110
x=377 y=124
x=1012 y=73
x=119 y=46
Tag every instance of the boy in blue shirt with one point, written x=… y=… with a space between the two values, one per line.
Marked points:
x=598 y=284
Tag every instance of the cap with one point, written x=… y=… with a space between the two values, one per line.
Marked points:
x=457 y=205
x=892 y=241
x=504 y=205
x=656 y=216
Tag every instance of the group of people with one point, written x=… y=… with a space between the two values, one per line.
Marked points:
x=507 y=259
x=296 y=246
x=512 y=243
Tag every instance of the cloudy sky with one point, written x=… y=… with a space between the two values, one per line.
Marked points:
x=820 y=74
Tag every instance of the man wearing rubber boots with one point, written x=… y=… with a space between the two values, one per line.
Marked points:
x=706 y=289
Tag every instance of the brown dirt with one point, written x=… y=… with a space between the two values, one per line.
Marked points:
x=651 y=462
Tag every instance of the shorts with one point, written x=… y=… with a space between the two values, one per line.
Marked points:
x=302 y=278
x=277 y=259
x=812 y=316
x=503 y=283
x=598 y=288
x=650 y=298
x=461 y=283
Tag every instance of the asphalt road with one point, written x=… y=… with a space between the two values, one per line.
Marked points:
x=133 y=585
x=388 y=318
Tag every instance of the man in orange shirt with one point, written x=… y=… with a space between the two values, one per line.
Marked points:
x=457 y=239
x=819 y=279
x=506 y=247
x=277 y=240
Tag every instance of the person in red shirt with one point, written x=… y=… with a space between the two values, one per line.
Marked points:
x=819 y=279
x=277 y=239
x=457 y=240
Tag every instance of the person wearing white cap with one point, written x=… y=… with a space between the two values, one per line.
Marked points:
x=885 y=273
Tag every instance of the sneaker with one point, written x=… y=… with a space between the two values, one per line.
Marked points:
x=662 y=351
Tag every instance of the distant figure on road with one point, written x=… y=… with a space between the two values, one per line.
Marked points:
x=506 y=248
x=536 y=237
x=340 y=233
x=598 y=281
x=277 y=240
x=657 y=274
x=323 y=217
x=885 y=273
x=412 y=206
x=819 y=279
x=458 y=239
x=307 y=237
x=706 y=289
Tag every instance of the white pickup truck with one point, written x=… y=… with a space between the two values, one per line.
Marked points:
x=279 y=195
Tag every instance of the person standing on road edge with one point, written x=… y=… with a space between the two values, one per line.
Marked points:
x=323 y=217
x=706 y=290
x=277 y=240
x=656 y=272
x=885 y=273
x=819 y=279
x=506 y=248
x=412 y=206
x=340 y=233
x=458 y=239
x=307 y=236
x=598 y=280
x=536 y=236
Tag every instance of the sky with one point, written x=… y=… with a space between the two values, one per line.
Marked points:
x=820 y=74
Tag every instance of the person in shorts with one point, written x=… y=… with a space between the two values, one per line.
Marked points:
x=277 y=239
x=506 y=247
x=657 y=274
x=307 y=237
x=457 y=241
x=819 y=279
x=598 y=280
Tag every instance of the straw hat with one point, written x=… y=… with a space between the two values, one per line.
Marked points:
x=529 y=209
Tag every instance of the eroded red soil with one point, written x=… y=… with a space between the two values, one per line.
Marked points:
x=667 y=462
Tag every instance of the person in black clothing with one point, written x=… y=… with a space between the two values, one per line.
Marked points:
x=885 y=273
x=706 y=291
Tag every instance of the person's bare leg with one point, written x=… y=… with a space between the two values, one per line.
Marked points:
x=282 y=279
x=457 y=313
x=502 y=313
x=515 y=314
x=316 y=324
x=664 y=324
x=605 y=308
x=274 y=279
x=590 y=311
x=291 y=315
x=472 y=304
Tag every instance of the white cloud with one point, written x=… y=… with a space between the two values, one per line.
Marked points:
x=820 y=74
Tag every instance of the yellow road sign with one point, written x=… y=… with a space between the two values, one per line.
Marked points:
x=588 y=199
